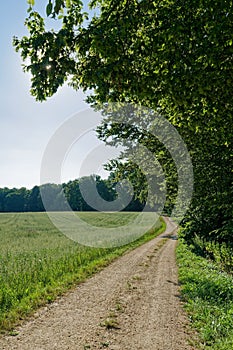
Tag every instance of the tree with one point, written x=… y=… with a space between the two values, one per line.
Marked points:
x=15 y=200
x=34 y=202
x=173 y=57
x=52 y=197
x=73 y=195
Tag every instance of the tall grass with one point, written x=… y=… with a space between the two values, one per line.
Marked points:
x=37 y=262
x=221 y=253
x=208 y=292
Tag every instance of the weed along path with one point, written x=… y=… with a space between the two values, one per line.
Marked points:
x=132 y=304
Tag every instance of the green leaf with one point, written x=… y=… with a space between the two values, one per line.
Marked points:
x=58 y=6
x=49 y=9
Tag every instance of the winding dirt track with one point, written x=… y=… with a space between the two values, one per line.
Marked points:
x=132 y=304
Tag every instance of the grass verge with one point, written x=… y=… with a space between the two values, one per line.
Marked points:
x=208 y=295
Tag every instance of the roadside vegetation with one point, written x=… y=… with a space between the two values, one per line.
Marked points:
x=38 y=263
x=207 y=289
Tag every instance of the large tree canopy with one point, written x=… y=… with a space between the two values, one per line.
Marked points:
x=135 y=49
x=172 y=56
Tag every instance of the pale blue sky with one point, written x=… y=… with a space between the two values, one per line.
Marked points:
x=27 y=125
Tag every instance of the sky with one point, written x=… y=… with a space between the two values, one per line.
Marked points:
x=26 y=126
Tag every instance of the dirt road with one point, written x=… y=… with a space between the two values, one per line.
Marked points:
x=132 y=304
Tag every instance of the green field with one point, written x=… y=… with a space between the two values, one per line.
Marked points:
x=38 y=262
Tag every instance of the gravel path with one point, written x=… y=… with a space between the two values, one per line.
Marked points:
x=132 y=304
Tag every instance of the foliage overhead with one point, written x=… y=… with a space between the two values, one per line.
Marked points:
x=174 y=57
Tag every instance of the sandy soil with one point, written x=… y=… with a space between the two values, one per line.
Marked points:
x=132 y=304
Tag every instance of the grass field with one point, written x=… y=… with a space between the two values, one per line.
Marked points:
x=38 y=262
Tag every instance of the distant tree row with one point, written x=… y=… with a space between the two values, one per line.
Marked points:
x=25 y=200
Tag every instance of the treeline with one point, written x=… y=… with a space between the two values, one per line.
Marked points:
x=57 y=196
